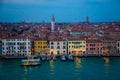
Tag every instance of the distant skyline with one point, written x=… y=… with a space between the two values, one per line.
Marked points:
x=63 y=10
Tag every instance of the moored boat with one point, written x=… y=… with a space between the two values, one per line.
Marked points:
x=48 y=58
x=63 y=58
x=30 y=62
x=70 y=57
x=54 y=58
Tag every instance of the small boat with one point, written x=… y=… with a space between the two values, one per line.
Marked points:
x=54 y=58
x=30 y=61
x=63 y=58
x=43 y=58
x=70 y=57
x=48 y=58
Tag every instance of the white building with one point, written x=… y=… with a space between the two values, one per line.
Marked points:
x=16 y=47
x=118 y=47
x=58 y=47
x=52 y=24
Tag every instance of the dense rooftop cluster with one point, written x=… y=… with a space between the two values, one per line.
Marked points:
x=33 y=31
x=101 y=37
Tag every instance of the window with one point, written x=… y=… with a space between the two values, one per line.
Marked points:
x=81 y=46
x=44 y=42
x=118 y=45
x=92 y=44
x=64 y=43
x=84 y=46
x=52 y=47
x=38 y=42
x=64 y=47
x=58 y=47
x=58 y=43
x=24 y=39
x=14 y=43
x=84 y=42
x=29 y=43
x=28 y=47
x=76 y=42
x=52 y=43
x=58 y=52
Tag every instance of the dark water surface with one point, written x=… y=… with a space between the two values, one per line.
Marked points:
x=80 y=69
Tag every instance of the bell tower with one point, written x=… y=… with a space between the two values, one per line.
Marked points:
x=52 y=24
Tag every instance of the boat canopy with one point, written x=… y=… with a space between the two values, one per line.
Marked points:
x=27 y=60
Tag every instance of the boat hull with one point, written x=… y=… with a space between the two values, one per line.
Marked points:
x=31 y=65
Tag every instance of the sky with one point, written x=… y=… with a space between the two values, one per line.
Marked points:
x=63 y=10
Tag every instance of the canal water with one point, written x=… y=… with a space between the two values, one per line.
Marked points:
x=92 y=68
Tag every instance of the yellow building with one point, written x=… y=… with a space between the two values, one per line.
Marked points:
x=77 y=46
x=41 y=46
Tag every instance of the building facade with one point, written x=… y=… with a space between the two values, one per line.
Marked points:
x=41 y=47
x=94 y=47
x=77 y=47
x=58 y=47
x=16 y=47
x=118 y=47
x=109 y=46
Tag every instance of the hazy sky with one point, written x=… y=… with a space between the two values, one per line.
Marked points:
x=63 y=10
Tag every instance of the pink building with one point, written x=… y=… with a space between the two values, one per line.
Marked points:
x=94 y=46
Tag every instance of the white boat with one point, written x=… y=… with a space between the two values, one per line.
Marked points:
x=30 y=61
x=70 y=57
x=54 y=58
x=48 y=58
x=63 y=58
x=43 y=58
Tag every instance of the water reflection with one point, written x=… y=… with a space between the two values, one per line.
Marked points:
x=107 y=60
x=52 y=67
x=26 y=71
x=78 y=65
x=106 y=65
x=78 y=62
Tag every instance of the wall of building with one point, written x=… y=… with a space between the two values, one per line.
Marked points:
x=41 y=46
x=77 y=47
x=58 y=47
x=94 y=48
x=118 y=47
x=16 y=47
